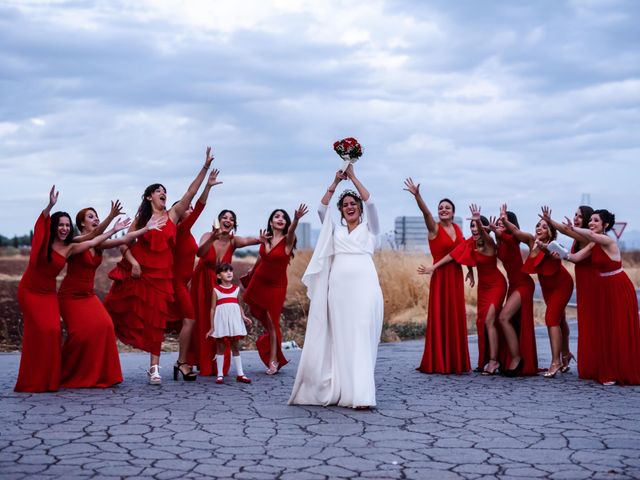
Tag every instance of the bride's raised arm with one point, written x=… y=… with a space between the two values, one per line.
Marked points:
x=326 y=198
x=372 y=213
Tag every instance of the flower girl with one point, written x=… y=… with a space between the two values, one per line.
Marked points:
x=227 y=321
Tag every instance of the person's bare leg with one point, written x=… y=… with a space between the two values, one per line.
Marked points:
x=492 y=337
x=511 y=307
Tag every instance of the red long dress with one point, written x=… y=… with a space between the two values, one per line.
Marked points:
x=619 y=325
x=203 y=348
x=90 y=353
x=40 y=360
x=184 y=259
x=139 y=307
x=266 y=293
x=556 y=284
x=511 y=258
x=492 y=288
x=587 y=288
x=446 y=349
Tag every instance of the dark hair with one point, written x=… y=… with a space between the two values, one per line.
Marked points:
x=355 y=196
x=513 y=218
x=233 y=214
x=586 y=211
x=223 y=267
x=287 y=219
x=453 y=205
x=80 y=217
x=53 y=229
x=145 y=211
x=608 y=218
x=553 y=233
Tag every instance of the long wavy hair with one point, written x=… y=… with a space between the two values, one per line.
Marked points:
x=53 y=231
x=145 y=210
x=287 y=220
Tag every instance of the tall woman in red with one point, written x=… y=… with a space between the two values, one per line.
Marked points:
x=446 y=349
x=619 y=326
x=556 y=285
x=50 y=247
x=139 y=301
x=184 y=259
x=480 y=251
x=216 y=247
x=267 y=289
x=587 y=288
x=90 y=354
x=516 y=317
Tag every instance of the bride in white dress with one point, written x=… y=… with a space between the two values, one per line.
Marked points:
x=345 y=316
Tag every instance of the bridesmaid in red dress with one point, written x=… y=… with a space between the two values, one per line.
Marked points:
x=480 y=251
x=516 y=317
x=215 y=247
x=587 y=288
x=618 y=345
x=267 y=288
x=52 y=244
x=556 y=284
x=184 y=260
x=89 y=354
x=446 y=349
x=140 y=297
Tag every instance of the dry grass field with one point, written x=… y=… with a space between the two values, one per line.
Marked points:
x=405 y=295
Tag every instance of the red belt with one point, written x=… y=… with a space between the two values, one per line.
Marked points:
x=226 y=300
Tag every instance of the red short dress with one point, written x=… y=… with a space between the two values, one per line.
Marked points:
x=587 y=288
x=40 y=360
x=266 y=294
x=446 y=349
x=511 y=257
x=139 y=307
x=556 y=284
x=90 y=353
x=203 y=349
x=184 y=259
x=492 y=288
x=619 y=325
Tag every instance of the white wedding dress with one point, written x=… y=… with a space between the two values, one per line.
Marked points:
x=345 y=317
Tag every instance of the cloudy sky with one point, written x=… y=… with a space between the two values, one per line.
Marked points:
x=482 y=101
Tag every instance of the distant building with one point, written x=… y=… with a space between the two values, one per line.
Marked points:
x=304 y=234
x=410 y=233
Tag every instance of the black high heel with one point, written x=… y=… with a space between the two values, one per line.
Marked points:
x=514 y=372
x=187 y=377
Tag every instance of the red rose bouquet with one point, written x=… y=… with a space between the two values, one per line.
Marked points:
x=349 y=150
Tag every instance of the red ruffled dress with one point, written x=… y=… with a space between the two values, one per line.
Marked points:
x=556 y=284
x=619 y=325
x=139 y=307
x=40 y=360
x=184 y=260
x=446 y=349
x=587 y=288
x=203 y=348
x=90 y=353
x=511 y=258
x=492 y=288
x=266 y=293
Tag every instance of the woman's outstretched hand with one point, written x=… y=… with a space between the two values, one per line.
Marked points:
x=422 y=270
x=157 y=223
x=122 y=224
x=208 y=159
x=264 y=236
x=412 y=188
x=213 y=178
x=53 y=196
x=301 y=211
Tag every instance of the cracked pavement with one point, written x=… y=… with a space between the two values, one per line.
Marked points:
x=425 y=426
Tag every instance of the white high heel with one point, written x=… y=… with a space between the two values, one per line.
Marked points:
x=154 y=375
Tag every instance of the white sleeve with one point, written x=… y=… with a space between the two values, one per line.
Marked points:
x=322 y=212
x=372 y=217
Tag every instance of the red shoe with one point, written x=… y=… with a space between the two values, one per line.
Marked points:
x=220 y=380
x=243 y=379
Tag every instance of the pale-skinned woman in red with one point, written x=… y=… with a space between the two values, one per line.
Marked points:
x=140 y=298
x=267 y=289
x=446 y=349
